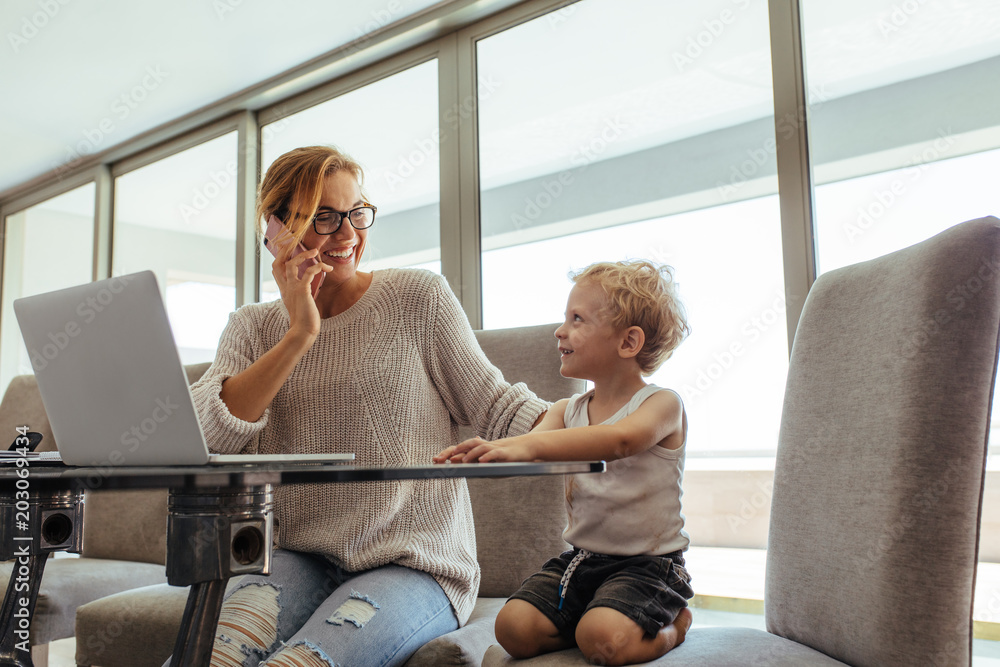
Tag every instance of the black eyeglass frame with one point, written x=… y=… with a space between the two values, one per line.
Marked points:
x=345 y=215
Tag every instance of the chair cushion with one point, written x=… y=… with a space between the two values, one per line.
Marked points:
x=463 y=647
x=68 y=583
x=519 y=524
x=195 y=371
x=705 y=647
x=140 y=513
x=135 y=628
x=875 y=514
x=529 y=355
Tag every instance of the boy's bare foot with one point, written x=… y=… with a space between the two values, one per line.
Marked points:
x=673 y=634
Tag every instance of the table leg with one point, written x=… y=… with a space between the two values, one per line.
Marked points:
x=33 y=524
x=214 y=534
x=201 y=616
x=26 y=577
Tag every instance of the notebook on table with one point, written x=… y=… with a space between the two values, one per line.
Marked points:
x=112 y=381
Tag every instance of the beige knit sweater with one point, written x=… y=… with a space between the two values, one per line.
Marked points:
x=389 y=379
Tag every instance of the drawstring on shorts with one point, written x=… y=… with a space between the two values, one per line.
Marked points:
x=564 y=582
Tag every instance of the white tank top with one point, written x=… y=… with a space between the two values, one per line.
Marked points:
x=634 y=508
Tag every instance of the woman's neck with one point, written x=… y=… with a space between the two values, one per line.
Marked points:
x=334 y=299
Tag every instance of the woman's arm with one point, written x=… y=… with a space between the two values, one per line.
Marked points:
x=233 y=396
x=248 y=393
x=658 y=417
x=472 y=388
x=238 y=347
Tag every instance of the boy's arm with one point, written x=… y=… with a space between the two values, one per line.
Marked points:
x=658 y=417
x=551 y=419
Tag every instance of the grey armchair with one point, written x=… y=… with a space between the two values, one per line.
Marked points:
x=878 y=483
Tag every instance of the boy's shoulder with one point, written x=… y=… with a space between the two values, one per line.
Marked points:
x=575 y=413
x=663 y=400
x=665 y=394
x=660 y=395
x=575 y=409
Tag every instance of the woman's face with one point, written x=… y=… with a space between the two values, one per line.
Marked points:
x=343 y=249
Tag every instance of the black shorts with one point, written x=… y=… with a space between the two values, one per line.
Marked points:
x=651 y=590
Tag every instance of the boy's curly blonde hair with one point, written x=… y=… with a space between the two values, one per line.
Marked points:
x=643 y=294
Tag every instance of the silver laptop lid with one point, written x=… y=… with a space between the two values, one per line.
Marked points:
x=110 y=375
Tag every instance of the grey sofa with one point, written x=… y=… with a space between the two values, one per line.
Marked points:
x=878 y=483
x=519 y=524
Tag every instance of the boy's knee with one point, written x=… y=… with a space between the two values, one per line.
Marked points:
x=598 y=647
x=602 y=643
x=520 y=630
x=511 y=630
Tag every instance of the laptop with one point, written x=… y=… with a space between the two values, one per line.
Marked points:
x=112 y=381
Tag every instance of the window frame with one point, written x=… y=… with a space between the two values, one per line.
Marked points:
x=448 y=32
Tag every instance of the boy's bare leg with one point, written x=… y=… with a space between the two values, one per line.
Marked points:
x=608 y=637
x=525 y=632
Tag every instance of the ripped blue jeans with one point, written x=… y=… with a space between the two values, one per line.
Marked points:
x=311 y=612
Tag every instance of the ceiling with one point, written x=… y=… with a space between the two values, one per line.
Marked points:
x=80 y=77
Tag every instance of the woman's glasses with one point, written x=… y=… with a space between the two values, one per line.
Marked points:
x=328 y=221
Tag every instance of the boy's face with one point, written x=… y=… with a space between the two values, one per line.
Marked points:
x=588 y=344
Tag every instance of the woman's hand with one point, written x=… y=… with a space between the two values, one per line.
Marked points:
x=248 y=393
x=477 y=449
x=299 y=294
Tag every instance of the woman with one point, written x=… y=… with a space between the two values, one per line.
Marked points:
x=382 y=364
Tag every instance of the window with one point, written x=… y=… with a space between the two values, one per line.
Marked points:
x=657 y=146
x=177 y=218
x=904 y=133
x=869 y=216
x=46 y=247
x=391 y=128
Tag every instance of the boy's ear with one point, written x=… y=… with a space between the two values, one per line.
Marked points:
x=631 y=342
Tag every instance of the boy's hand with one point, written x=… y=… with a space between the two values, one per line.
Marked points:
x=456 y=453
x=444 y=455
x=450 y=454
x=477 y=449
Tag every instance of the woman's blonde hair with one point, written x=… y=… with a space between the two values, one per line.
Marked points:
x=640 y=293
x=293 y=185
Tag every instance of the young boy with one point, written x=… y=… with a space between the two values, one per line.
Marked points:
x=621 y=593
